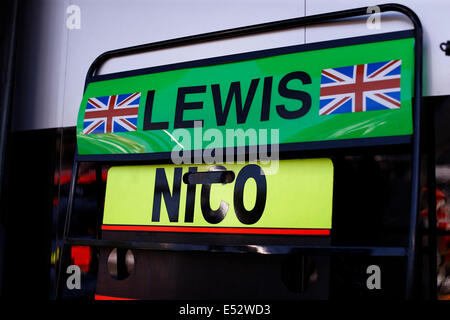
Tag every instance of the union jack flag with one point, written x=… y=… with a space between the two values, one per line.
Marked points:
x=358 y=88
x=117 y=113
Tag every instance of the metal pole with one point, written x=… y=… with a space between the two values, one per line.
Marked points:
x=416 y=163
x=70 y=203
x=5 y=117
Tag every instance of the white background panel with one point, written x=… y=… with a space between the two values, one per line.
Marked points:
x=110 y=24
x=53 y=60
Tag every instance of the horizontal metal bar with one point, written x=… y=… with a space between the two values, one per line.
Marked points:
x=244 y=31
x=208 y=177
x=258 y=54
x=259 y=249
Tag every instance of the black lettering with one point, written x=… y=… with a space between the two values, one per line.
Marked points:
x=212 y=216
x=182 y=105
x=190 y=199
x=250 y=171
x=267 y=95
x=172 y=201
x=234 y=91
x=148 y=124
x=294 y=94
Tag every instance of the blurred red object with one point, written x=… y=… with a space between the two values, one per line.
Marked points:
x=442 y=211
x=81 y=256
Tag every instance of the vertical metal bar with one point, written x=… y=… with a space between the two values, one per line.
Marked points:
x=5 y=116
x=100 y=197
x=416 y=160
x=7 y=94
x=70 y=203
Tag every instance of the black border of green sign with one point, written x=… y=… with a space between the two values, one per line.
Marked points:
x=286 y=148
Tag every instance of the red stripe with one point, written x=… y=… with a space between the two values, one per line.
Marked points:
x=286 y=231
x=382 y=69
x=125 y=121
x=338 y=104
x=95 y=127
x=388 y=99
x=332 y=76
x=127 y=99
x=101 y=297
x=114 y=113
x=365 y=86
x=359 y=82
x=109 y=115
x=94 y=104
x=112 y=101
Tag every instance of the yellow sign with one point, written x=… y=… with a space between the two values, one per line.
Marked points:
x=231 y=198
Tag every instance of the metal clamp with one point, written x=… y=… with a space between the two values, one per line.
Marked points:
x=445 y=46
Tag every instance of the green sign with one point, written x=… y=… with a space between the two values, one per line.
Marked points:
x=309 y=93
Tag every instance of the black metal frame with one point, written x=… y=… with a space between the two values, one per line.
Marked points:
x=6 y=93
x=414 y=141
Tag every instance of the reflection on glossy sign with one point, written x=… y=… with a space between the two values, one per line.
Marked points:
x=232 y=198
x=347 y=89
